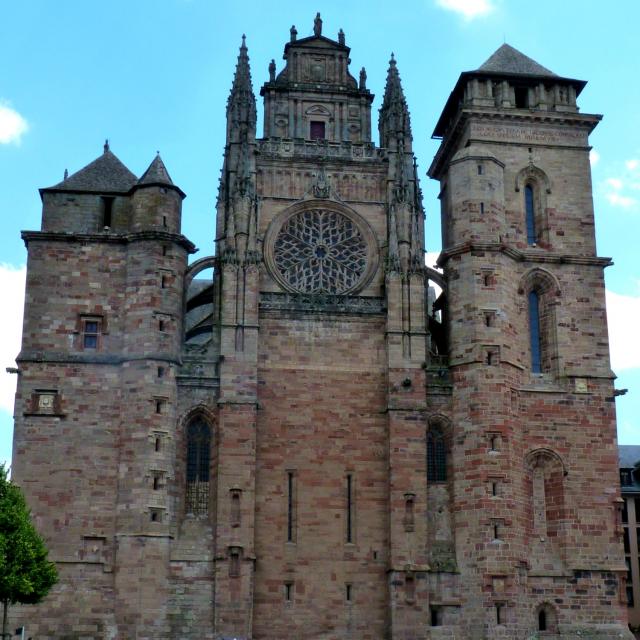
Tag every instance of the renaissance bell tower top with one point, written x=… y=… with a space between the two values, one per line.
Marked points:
x=315 y=96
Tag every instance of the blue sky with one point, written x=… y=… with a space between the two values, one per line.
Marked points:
x=155 y=74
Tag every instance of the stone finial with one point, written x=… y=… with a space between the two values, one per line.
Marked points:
x=106 y=145
x=363 y=79
x=66 y=174
x=341 y=37
x=317 y=25
x=244 y=42
x=293 y=33
x=272 y=70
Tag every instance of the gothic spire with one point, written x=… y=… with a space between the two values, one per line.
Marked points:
x=405 y=249
x=241 y=105
x=394 y=118
x=237 y=203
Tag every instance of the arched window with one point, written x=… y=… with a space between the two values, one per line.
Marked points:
x=547 y=618
x=534 y=332
x=542 y=620
x=530 y=213
x=198 y=459
x=436 y=457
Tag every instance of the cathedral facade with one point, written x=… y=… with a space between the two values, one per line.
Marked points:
x=326 y=439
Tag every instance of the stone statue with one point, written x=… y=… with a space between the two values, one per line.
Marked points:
x=272 y=71
x=363 y=79
x=317 y=25
x=294 y=33
x=341 y=37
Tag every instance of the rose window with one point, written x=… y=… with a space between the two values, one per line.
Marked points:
x=320 y=251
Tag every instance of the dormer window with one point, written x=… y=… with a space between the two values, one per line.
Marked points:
x=317 y=130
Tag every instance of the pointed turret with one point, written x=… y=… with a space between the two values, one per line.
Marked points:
x=405 y=239
x=236 y=198
x=157 y=175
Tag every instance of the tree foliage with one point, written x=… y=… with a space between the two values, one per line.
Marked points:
x=25 y=573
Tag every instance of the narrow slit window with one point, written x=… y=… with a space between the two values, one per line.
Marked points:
x=164 y=221
x=480 y=169
x=163 y=282
x=436 y=616
x=156 y=482
x=159 y=404
x=494 y=488
x=482 y=207
x=288 y=591
x=499 y=614
x=160 y=372
x=235 y=508
x=157 y=445
x=107 y=211
x=348 y=592
x=161 y=325
x=349 y=508
x=290 y=506
x=530 y=212
x=534 y=332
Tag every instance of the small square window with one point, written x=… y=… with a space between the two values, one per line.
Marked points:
x=91 y=329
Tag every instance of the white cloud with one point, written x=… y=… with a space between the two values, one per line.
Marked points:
x=13 y=280
x=430 y=258
x=616 y=183
x=621 y=201
x=468 y=8
x=632 y=164
x=623 y=312
x=594 y=157
x=12 y=124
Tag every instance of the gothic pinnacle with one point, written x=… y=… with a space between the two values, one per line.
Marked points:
x=241 y=99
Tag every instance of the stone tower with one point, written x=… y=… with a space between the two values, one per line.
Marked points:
x=310 y=443
x=533 y=422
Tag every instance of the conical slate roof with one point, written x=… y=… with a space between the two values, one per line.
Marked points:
x=156 y=173
x=106 y=174
x=509 y=60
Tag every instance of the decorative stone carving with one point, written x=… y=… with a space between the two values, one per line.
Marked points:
x=322 y=303
x=320 y=247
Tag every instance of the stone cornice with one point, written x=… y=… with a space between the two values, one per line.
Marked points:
x=519 y=117
x=108 y=237
x=59 y=357
x=528 y=255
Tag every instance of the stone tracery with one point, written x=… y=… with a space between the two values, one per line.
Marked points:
x=320 y=251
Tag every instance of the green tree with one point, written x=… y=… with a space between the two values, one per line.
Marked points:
x=25 y=573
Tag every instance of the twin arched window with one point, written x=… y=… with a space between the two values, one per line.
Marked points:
x=198 y=464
